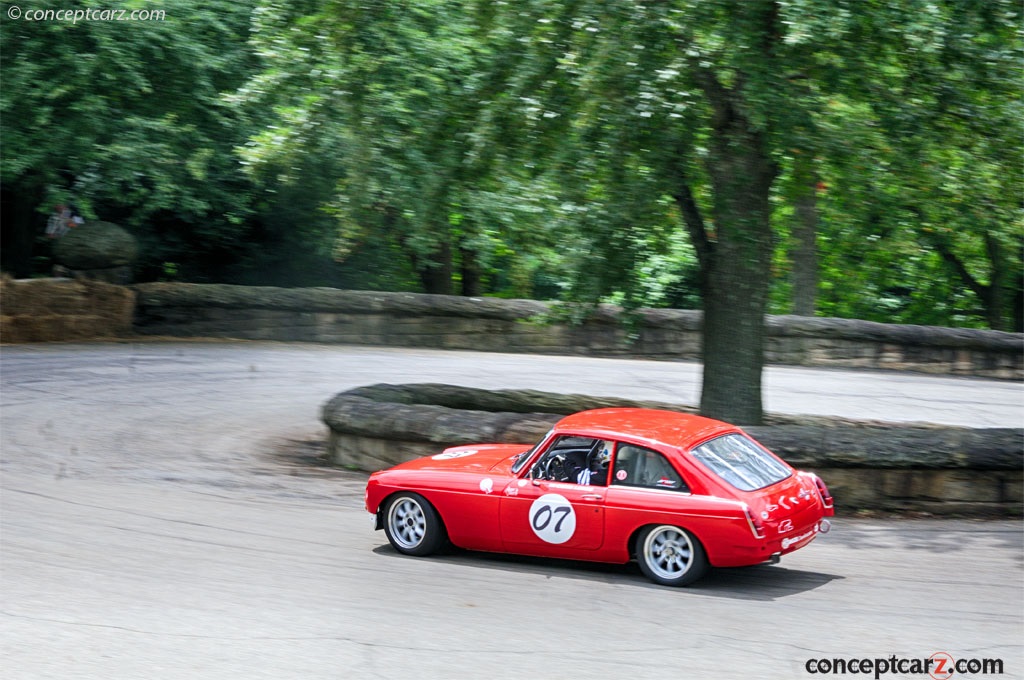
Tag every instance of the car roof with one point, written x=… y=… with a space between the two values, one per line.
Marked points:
x=680 y=430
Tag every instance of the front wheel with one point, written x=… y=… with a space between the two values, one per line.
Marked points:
x=412 y=525
x=670 y=556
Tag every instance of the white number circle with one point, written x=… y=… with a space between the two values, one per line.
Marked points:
x=552 y=518
x=453 y=454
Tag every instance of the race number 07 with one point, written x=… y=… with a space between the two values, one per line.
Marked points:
x=542 y=518
x=552 y=518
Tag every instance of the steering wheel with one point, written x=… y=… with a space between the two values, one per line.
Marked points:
x=556 y=468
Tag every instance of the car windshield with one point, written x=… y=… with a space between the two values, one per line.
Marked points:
x=521 y=458
x=740 y=461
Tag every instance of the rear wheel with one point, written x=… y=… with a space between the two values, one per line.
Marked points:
x=670 y=556
x=412 y=525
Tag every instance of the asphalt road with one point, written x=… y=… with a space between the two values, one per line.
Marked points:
x=162 y=516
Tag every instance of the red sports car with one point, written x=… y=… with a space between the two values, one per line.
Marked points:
x=678 y=492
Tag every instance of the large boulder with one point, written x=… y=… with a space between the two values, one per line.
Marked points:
x=96 y=245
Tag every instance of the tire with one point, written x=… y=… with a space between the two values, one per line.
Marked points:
x=412 y=525
x=670 y=556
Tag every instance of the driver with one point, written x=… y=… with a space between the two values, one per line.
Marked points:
x=596 y=472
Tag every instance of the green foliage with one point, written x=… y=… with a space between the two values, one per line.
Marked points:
x=402 y=93
x=919 y=151
x=125 y=118
x=536 y=149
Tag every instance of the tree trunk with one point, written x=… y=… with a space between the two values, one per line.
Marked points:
x=738 y=275
x=19 y=227
x=436 y=273
x=992 y=296
x=995 y=299
x=805 y=234
x=1018 y=309
x=472 y=278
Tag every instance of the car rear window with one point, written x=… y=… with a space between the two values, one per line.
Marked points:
x=741 y=462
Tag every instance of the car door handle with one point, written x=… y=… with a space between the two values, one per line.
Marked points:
x=591 y=497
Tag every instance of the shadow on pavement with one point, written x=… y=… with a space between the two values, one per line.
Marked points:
x=759 y=583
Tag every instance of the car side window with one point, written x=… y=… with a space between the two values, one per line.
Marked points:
x=639 y=466
x=563 y=460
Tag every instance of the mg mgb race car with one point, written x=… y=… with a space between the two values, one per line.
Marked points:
x=677 y=492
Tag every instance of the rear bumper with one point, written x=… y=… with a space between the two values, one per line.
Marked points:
x=794 y=540
x=759 y=551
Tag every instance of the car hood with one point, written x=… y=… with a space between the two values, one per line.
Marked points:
x=468 y=458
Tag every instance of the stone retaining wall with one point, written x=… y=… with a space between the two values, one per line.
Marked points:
x=57 y=309
x=487 y=324
x=867 y=465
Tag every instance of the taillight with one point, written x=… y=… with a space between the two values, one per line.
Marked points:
x=826 y=497
x=754 y=523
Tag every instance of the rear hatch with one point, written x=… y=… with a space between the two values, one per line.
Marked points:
x=785 y=504
x=789 y=510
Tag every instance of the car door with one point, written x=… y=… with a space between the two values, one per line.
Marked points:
x=547 y=517
x=645 y=488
